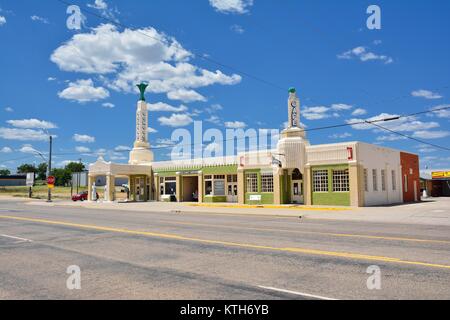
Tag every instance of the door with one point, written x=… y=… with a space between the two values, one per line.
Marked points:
x=232 y=189
x=139 y=189
x=297 y=191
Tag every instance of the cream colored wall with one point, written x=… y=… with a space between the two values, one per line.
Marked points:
x=375 y=157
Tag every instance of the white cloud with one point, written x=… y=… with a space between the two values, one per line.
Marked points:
x=391 y=137
x=213 y=119
x=127 y=57
x=2 y=20
x=359 y=112
x=235 y=125
x=431 y=134
x=151 y=130
x=39 y=19
x=214 y=108
x=32 y=124
x=82 y=149
x=362 y=54
x=99 y=5
x=23 y=134
x=231 y=6
x=341 y=107
x=83 y=91
x=6 y=150
x=104 y=9
x=28 y=148
x=176 y=120
x=315 y=113
x=164 y=107
x=84 y=138
x=108 y=105
x=425 y=94
x=51 y=79
x=442 y=113
x=340 y=135
x=407 y=124
x=237 y=29
x=122 y=148
x=9 y=109
x=185 y=95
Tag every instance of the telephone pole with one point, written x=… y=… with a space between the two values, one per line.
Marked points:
x=49 y=199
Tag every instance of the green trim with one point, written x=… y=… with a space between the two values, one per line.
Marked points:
x=330 y=198
x=214 y=199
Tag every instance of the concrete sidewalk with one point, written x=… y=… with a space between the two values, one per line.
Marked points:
x=434 y=211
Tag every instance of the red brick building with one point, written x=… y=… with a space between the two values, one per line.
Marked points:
x=410 y=176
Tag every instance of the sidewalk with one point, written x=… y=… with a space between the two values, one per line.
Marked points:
x=435 y=211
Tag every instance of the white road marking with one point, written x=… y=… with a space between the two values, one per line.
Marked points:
x=297 y=293
x=16 y=238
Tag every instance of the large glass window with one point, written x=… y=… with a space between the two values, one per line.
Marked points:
x=366 y=181
x=215 y=185
x=252 y=182
x=341 y=181
x=267 y=182
x=375 y=179
x=320 y=180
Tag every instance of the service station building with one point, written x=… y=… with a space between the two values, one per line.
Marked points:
x=296 y=172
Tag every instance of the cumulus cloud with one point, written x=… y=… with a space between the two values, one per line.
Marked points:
x=2 y=20
x=151 y=130
x=364 y=55
x=6 y=150
x=340 y=135
x=426 y=94
x=164 y=107
x=176 y=120
x=108 y=105
x=23 y=134
x=316 y=113
x=83 y=91
x=237 y=29
x=122 y=148
x=341 y=107
x=231 y=6
x=28 y=148
x=39 y=19
x=423 y=134
x=82 y=149
x=359 y=112
x=83 y=138
x=9 y=109
x=127 y=57
x=32 y=124
x=442 y=113
x=235 y=125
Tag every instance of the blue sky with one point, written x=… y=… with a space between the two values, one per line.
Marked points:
x=78 y=84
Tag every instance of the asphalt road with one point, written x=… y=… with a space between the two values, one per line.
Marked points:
x=139 y=255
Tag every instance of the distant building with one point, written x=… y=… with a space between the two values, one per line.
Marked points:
x=13 y=181
x=340 y=174
x=436 y=183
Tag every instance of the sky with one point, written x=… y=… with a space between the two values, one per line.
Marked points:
x=227 y=63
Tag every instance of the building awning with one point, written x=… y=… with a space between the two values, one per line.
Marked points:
x=101 y=167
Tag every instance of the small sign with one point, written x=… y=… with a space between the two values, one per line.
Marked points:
x=51 y=180
x=440 y=174
x=255 y=197
x=30 y=179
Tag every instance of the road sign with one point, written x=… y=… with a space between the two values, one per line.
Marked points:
x=30 y=179
x=51 y=180
x=440 y=174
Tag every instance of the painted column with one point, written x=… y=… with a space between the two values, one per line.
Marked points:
x=362 y=189
x=354 y=184
x=241 y=186
x=110 y=182
x=157 y=187
x=200 y=186
x=276 y=186
x=91 y=180
x=179 y=189
x=308 y=185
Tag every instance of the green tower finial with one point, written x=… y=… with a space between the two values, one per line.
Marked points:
x=142 y=87
x=292 y=90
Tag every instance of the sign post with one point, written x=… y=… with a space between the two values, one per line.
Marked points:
x=51 y=182
x=30 y=183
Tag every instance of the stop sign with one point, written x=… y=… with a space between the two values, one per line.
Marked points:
x=51 y=180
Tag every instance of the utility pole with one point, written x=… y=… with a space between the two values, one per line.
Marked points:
x=50 y=169
x=79 y=176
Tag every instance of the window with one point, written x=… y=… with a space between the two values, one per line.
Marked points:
x=168 y=185
x=341 y=181
x=232 y=178
x=366 y=181
x=320 y=181
x=267 y=182
x=394 y=180
x=208 y=187
x=215 y=185
x=383 y=180
x=252 y=182
x=375 y=179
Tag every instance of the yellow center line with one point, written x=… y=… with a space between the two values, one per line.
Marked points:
x=232 y=244
x=309 y=232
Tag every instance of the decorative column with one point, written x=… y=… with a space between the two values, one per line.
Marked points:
x=308 y=185
x=157 y=187
x=200 y=186
x=241 y=186
x=111 y=185
x=354 y=184
x=179 y=189
x=277 y=186
x=91 y=180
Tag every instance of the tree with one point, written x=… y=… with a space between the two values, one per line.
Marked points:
x=5 y=172
x=26 y=168
x=62 y=176
x=42 y=171
x=75 y=167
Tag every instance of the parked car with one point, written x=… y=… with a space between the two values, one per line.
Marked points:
x=82 y=196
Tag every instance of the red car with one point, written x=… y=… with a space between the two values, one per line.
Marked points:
x=82 y=196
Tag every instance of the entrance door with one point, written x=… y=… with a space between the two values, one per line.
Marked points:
x=297 y=191
x=232 y=189
x=140 y=189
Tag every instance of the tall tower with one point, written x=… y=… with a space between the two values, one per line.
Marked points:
x=293 y=109
x=141 y=153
